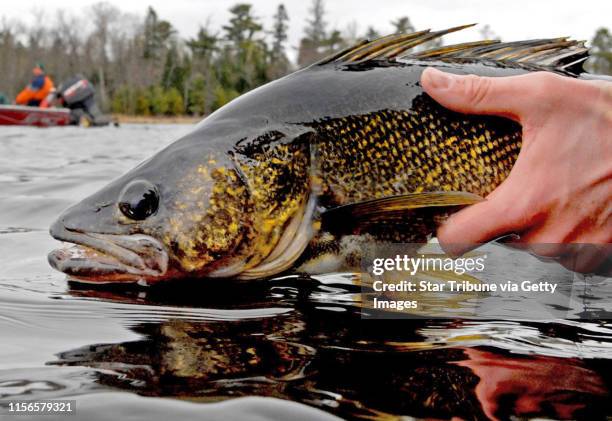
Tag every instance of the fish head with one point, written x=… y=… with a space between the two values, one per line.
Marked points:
x=186 y=212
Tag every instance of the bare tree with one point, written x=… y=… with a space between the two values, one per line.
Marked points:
x=104 y=15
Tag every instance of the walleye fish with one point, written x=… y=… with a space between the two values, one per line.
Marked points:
x=300 y=173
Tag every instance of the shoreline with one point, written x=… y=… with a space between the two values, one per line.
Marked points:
x=153 y=119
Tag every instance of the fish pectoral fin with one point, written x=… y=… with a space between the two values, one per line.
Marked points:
x=401 y=204
x=409 y=218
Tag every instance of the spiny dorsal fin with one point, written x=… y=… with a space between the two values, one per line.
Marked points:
x=455 y=48
x=370 y=47
x=387 y=47
x=557 y=53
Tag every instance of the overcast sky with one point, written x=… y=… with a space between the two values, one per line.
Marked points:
x=510 y=19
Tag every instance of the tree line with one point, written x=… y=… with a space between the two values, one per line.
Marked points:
x=141 y=65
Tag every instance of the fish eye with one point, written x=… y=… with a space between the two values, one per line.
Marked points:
x=139 y=200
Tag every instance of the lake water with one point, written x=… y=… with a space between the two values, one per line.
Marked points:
x=285 y=348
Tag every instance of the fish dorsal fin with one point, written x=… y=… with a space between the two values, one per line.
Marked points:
x=387 y=47
x=556 y=53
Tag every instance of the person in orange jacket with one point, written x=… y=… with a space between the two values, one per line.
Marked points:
x=37 y=91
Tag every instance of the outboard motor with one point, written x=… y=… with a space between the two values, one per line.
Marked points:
x=77 y=94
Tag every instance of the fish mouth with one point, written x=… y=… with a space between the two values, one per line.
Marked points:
x=106 y=258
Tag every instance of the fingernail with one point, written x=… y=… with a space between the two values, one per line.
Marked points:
x=437 y=79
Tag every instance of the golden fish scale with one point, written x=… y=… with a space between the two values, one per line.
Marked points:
x=207 y=215
x=278 y=185
x=426 y=148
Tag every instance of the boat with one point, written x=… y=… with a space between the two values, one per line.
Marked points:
x=72 y=103
x=22 y=115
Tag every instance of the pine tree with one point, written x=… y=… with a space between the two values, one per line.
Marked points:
x=242 y=25
x=156 y=34
x=242 y=64
x=176 y=68
x=601 y=52
x=372 y=33
x=316 y=28
x=279 y=63
x=403 y=25
x=334 y=42
x=197 y=103
x=150 y=23
x=279 y=33
x=201 y=89
x=204 y=44
x=315 y=35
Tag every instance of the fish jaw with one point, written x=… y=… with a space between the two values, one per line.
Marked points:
x=107 y=258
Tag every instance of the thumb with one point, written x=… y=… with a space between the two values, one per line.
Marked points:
x=505 y=96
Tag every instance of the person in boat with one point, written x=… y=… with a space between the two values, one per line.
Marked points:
x=37 y=91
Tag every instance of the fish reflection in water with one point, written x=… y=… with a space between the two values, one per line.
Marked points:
x=326 y=355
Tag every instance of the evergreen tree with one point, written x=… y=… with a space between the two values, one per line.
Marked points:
x=315 y=35
x=403 y=25
x=175 y=102
x=150 y=23
x=158 y=100
x=279 y=33
x=201 y=89
x=197 y=102
x=372 y=33
x=242 y=65
x=279 y=63
x=601 y=52
x=316 y=25
x=242 y=25
x=176 y=69
x=156 y=34
x=334 y=42
x=204 y=44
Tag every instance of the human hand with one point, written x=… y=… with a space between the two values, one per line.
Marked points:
x=548 y=386
x=560 y=188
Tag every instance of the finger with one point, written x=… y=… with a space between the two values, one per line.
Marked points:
x=546 y=250
x=478 y=224
x=589 y=259
x=511 y=96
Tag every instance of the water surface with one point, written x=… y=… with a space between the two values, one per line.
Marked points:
x=291 y=347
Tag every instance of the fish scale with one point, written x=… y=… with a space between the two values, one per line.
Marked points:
x=425 y=149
